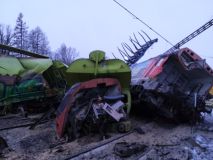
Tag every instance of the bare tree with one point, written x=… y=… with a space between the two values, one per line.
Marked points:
x=21 y=33
x=35 y=41
x=38 y=41
x=1 y=34
x=66 y=54
x=6 y=37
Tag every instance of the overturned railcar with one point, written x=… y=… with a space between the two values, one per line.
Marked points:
x=174 y=85
x=30 y=83
x=99 y=99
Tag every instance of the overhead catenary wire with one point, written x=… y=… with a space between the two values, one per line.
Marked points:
x=143 y=23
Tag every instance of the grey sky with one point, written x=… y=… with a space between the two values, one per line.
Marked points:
x=102 y=24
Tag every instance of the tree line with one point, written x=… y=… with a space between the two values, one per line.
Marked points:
x=34 y=40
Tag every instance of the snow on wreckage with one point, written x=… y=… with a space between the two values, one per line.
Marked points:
x=99 y=99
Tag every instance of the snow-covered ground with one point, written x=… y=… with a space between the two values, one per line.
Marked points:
x=164 y=141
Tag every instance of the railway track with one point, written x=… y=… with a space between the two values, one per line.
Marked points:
x=104 y=145
x=42 y=143
x=96 y=147
x=14 y=121
x=82 y=152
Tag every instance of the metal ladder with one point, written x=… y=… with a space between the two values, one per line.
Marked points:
x=190 y=37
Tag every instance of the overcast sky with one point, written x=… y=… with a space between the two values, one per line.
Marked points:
x=101 y=24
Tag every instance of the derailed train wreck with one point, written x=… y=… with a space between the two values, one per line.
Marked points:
x=99 y=99
x=25 y=82
x=175 y=85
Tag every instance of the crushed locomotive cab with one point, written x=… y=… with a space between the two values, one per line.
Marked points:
x=175 y=85
x=99 y=99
